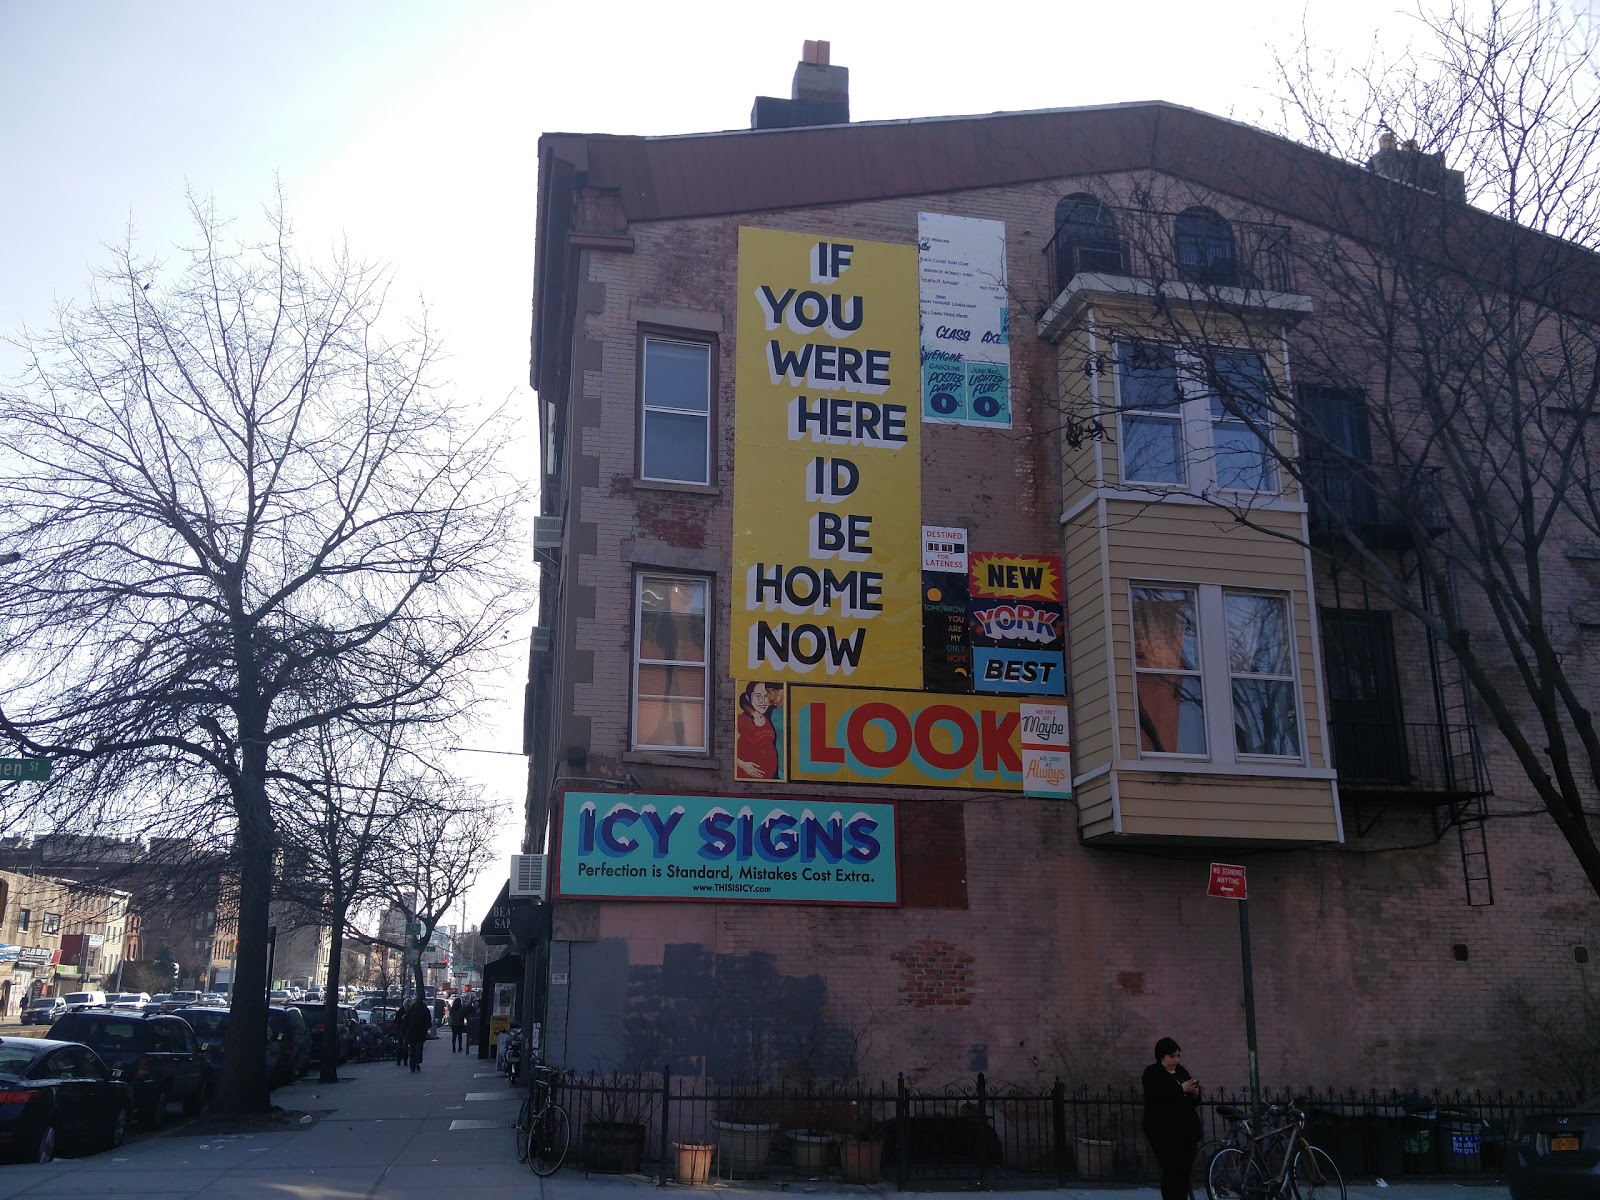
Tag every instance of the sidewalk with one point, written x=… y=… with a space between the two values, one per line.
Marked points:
x=442 y=1134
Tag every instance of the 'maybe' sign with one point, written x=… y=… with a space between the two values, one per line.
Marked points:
x=652 y=847
x=827 y=462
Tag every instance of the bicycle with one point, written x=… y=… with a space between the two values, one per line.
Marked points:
x=1248 y=1173
x=1238 y=1137
x=543 y=1128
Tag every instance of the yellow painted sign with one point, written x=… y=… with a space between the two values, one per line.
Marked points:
x=921 y=739
x=827 y=463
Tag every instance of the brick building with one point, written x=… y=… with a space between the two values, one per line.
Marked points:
x=876 y=460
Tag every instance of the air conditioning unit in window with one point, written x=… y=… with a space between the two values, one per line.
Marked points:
x=547 y=533
x=528 y=872
x=539 y=640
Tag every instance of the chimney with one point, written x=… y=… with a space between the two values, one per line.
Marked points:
x=820 y=95
x=1408 y=164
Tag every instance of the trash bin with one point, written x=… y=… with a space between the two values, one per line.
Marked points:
x=1341 y=1134
x=1417 y=1141
x=1385 y=1140
x=1461 y=1138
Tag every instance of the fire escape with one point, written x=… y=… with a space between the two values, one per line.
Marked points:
x=1401 y=715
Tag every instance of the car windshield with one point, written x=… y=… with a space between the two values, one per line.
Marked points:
x=15 y=1061
x=206 y=1020
x=80 y=997
x=101 y=1035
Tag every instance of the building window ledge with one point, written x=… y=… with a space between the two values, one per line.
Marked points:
x=665 y=758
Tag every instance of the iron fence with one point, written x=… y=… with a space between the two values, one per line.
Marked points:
x=981 y=1134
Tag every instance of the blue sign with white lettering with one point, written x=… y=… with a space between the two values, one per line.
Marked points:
x=742 y=848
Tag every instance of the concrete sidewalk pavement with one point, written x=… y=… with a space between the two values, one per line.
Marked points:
x=383 y=1133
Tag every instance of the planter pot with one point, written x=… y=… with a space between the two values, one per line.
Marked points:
x=861 y=1159
x=742 y=1147
x=812 y=1151
x=694 y=1161
x=614 y=1146
x=1095 y=1157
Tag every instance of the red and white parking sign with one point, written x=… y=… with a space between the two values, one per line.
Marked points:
x=1227 y=882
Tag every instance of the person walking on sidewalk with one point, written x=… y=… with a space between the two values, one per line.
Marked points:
x=1172 y=1118
x=458 y=1025
x=400 y=1015
x=418 y=1021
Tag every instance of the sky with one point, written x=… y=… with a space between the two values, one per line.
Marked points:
x=410 y=130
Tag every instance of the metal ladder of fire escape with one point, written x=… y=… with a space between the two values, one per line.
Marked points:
x=1468 y=810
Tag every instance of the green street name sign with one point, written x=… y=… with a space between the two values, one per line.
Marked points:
x=24 y=768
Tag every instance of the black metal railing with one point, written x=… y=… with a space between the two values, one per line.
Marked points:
x=1422 y=757
x=1376 y=503
x=1146 y=244
x=977 y=1133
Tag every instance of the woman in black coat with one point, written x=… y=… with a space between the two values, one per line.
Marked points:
x=1172 y=1118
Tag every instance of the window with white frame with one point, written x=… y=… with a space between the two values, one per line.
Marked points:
x=671 y=668
x=1166 y=659
x=1188 y=422
x=1205 y=657
x=675 y=423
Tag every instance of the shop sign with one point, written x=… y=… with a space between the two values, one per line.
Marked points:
x=721 y=848
x=38 y=956
x=9 y=954
x=965 y=319
x=848 y=735
x=827 y=466
x=1017 y=624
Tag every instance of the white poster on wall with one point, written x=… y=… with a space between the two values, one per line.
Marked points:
x=966 y=329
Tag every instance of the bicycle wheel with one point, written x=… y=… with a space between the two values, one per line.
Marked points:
x=1234 y=1175
x=1201 y=1170
x=524 y=1120
x=547 y=1140
x=1315 y=1176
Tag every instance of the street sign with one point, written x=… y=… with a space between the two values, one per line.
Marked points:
x=413 y=928
x=1227 y=882
x=24 y=768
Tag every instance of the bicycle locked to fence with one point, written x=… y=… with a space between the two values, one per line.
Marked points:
x=1275 y=1163
x=543 y=1127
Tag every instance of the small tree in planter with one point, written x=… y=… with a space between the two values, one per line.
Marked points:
x=743 y=1129
x=615 y=1109
x=861 y=1148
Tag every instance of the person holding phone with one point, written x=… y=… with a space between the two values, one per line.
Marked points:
x=1172 y=1118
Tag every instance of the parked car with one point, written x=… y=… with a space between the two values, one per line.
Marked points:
x=136 y=1002
x=313 y=994
x=177 y=1000
x=314 y=1014
x=1557 y=1156
x=210 y=1024
x=81 y=1000
x=44 y=1010
x=158 y=1055
x=287 y=1027
x=58 y=1094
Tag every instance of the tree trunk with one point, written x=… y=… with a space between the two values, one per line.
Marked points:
x=330 y=999
x=244 y=1068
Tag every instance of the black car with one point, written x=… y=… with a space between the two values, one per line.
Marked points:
x=313 y=1012
x=1557 y=1157
x=44 y=1010
x=286 y=1028
x=55 y=1094
x=158 y=1055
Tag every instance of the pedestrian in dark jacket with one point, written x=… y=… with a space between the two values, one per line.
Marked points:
x=1172 y=1118
x=418 y=1021
x=400 y=1015
x=458 y=1024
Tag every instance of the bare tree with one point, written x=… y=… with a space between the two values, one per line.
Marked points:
x=244 y=513
x=1445 y=383
x=336 y=827
x=437 y=853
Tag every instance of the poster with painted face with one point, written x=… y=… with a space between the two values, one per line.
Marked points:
x=758 y=749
